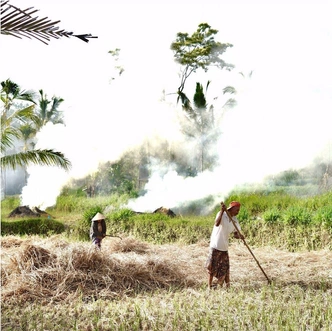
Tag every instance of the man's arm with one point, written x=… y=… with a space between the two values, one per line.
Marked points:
x=219 y=216
x=238 y=235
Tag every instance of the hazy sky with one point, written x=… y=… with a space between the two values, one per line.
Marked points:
x=283 y=118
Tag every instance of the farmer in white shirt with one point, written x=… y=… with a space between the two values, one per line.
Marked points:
x=218 y=260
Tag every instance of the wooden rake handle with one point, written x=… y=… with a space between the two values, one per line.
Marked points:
x=109 y=235
x=245 y=243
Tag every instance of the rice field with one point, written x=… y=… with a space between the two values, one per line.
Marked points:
x=55 y=284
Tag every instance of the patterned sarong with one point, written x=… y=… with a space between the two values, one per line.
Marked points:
x=217 y=264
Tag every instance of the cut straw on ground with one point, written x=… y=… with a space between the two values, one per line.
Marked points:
x=53 y=270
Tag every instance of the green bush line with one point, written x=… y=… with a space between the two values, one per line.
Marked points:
x=77 y=203
x=161 y=229
x=32 y=226
x=267 y=218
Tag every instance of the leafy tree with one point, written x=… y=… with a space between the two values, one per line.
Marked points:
x=193 y=52
x=119 y=177
x=198 y=51
x=23 y=23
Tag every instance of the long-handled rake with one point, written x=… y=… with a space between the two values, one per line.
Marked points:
x=109 y=235
x=244 y=241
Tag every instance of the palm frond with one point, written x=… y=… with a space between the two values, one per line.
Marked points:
x=229 y=89
x=22 y=23
x=8 y=136
x=47 y=157
x=230 y=103
x=186 y=104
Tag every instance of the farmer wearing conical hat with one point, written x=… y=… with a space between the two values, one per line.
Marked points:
x=98 y=229
x=218 y=261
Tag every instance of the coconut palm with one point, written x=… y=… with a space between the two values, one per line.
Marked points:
x=10 y=92
x=45 y=157
x=200 y=126
x=22 y=23
x=28 y=132
x=12 y=119
x=47 y=114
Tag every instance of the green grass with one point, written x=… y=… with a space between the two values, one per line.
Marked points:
x=267 y=218
x=271 y=219
x=32 y=226
x=268 y=308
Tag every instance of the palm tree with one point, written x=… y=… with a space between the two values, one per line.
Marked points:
x=10 y=92
x=21 y=23
x=28 y=132
x=12 y=120
x=200 y=127
x=48 y=114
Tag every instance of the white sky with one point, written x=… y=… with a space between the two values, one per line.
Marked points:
x=285 y=110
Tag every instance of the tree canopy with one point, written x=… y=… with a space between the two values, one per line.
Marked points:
x=199 y=51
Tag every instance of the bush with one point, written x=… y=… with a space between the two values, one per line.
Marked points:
x=297 y=215
x=158 y=228
x=81 y=204
x=272 y=215
x=32 y=226
x=323 y=216
x=9 y=203
x=244 y=214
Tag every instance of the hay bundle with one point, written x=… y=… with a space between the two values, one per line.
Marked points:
x=81 y=258
x=127 y=245
x=166 y=211
x=23 y=211
x=33 y=257
x=80 y=270
x=10 y=241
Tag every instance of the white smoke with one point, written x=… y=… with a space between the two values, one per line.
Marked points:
x=283 y=115
x=258 y=138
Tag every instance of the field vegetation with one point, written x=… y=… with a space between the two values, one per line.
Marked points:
x=151 y=276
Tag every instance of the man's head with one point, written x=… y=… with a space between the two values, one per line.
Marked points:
x=234 y=208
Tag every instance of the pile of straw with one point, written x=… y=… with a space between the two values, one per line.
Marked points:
x=51 y=270
x=42 y=271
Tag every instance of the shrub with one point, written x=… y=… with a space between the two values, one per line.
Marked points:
x=9 y=203
x=122 y=214
x=297 y=215
x=272 y=215
x=323 y=216
x=244 y=214
x=32 y=226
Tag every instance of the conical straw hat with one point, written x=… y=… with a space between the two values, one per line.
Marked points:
x=98 y=217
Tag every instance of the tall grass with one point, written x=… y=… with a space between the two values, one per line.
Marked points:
x=74 y=203
x=268 y=309
x=68 y=286
x=267 y=218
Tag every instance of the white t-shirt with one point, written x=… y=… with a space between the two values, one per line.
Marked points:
x=220 y=234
